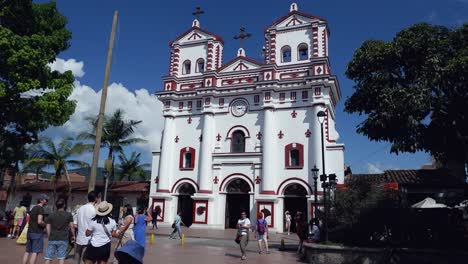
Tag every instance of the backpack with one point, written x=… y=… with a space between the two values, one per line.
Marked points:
x=261 y=227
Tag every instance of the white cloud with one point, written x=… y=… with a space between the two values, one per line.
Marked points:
x=374 y=168
x=137 y=105
x=62 y=66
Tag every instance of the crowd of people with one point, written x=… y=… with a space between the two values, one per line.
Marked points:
x=89 y=231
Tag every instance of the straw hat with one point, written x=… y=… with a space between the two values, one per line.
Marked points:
x=104 y=208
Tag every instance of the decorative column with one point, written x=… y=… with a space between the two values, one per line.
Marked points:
x=206 y=161
x=167 y=155
x=269 y=151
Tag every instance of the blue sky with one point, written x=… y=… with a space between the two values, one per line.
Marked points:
x=145 y=28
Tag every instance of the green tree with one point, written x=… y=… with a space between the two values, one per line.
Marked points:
x=131 y=168
x=116 y=134
x=32 y=97
x=59 y=156
x=413 y=91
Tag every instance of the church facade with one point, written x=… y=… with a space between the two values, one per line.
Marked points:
x=244 y=135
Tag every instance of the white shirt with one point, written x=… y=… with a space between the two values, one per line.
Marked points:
x=82 y=218
x=99 y=236
x=244 y=223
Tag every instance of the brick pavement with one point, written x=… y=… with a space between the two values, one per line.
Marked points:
x=202 y=246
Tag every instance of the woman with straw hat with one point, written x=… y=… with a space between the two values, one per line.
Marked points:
x=101 y=228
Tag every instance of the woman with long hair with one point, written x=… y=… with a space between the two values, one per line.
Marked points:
x=101 y=229
x=125 y=233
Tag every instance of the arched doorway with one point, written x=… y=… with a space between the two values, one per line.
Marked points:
x=295 y=200
x=237 y=201
x=185 y=202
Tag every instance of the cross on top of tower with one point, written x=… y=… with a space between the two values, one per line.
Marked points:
x=242 y=35
x=198 y=11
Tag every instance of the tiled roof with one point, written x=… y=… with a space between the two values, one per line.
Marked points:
x=123 y=186
x=406 y=177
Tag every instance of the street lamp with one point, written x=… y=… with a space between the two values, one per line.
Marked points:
x=315 y=177
x=323 y=177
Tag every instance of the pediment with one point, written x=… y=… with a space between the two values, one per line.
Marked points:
x=196 y=34
x=294 y=19
x=240 y=64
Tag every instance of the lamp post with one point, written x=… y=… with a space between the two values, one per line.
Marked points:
x=315 y=177
x=323 y=177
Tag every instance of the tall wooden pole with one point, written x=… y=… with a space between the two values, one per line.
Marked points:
x=102 y=108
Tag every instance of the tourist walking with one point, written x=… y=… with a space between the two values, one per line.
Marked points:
x=35 y=236
x=302 y=230
x=82 y=218
x=243 y=226
x=261 y=233
x=101 y=229
x=287 y=216
x=154 y=215
x=59 y=225
x=19 y=213
x=176 y=225
x=141 y=220
x=125 y=233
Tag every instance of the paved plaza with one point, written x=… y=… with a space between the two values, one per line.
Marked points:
x=201 y=246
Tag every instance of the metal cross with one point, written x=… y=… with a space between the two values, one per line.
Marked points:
x=242 y=35
x=198 y=12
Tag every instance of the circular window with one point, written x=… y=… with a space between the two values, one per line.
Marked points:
x=239 y=107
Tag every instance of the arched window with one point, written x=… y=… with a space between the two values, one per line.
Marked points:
x=302 y=52
x=286 y=54
x=238 y=142
x=294 y=156
x=187 y=67
x=200 y=65
x=187 y=158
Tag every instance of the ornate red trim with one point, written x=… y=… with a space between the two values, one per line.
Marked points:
x=217 y=37
x=205 y=191
x=237 y=175
x=268 y=192
x=194 y=183
x=192 y=158
x=195 y=208
x=228 y=134
x=163 y=209
x=296 y=179
x=163 y=191
x=272 y=204
x=287 y=149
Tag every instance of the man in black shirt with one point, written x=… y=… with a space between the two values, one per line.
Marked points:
x=35 y=242
x=59 y=225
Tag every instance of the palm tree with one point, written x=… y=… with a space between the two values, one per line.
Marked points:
x=116 y=134
x=131 y=167
x=46 y=154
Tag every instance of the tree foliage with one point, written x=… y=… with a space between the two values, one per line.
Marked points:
x=413 y=91
x=32 y=97
x=131 y=168
x=117 y=133
x=58 y=156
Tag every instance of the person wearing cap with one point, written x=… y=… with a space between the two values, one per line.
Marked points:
x=35 y=236
x=101 y=229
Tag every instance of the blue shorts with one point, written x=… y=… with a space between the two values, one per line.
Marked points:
x=56 y=246
x=35 y=243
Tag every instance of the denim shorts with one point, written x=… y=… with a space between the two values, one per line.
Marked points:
x=35 y=243
x=56 y=246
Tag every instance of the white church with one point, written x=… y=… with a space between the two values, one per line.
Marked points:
x=244 y=135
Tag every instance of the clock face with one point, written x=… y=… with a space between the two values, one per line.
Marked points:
x=239 y=107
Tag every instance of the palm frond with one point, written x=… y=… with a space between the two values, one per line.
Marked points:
x=78 y=163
